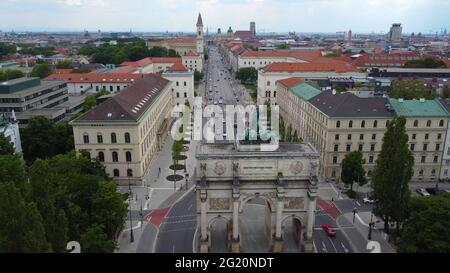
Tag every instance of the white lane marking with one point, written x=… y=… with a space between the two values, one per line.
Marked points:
x=340 y=197
x=173 y=249
x=147 y=202
x=182 y=216
x=189 y=208
x=178 y=222
x=359 y=205
x=324 y=248
x=335 y=250
x=176 y=230
x=345 y=249
x=361 y=220
x=314 y=246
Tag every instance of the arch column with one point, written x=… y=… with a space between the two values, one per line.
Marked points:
x=278 y=240
x=204 y=244
x=235 y=240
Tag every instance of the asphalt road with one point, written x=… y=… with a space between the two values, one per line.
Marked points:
x=325 y=244
x=176 y=233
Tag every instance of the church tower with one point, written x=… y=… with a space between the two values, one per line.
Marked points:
x=200 y=41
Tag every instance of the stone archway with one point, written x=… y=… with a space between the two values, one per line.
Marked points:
x=293 y=234
x=218 y=232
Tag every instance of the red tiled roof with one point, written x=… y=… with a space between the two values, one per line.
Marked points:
x=244 y=34
x=166 y=59
x=308 y=56
x=290 y=82
x=125 y=70
x=338 y=67
x=192 y=53
x=96 y=77
x=130 y=103
x=386 y=58
x=178 y=67
x=63 y=71
x=148 y=61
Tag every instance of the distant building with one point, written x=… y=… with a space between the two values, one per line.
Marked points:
x=395 y=33
x=230 y=35
x=219 y=35
x=29 y=97
x=182 y=84
x=253 y=28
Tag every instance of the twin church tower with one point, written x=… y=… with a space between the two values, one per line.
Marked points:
x=200 y=39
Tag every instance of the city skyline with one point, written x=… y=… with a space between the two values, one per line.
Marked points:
x=174 y=16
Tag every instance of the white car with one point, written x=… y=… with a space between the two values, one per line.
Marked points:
x=422 y=192
x=220 y=101
x=215 y=102
x=368 y=200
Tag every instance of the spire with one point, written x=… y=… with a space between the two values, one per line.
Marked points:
x=199 y=20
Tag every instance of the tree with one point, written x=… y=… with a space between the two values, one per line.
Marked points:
x=247 y=74
x=6 y=147
x=41 y=71
x=21 y=228
x=425 y=63
x=392 y=173
x=411 y=89
x=198 y=76
x=94 y=240
x=446 y=92
x=352 y=169
x=6 y=50
x=426 y=229
x=64 y=64
x=282 y=130
x=10 y=75
x=295 y=137
x=289 y=134
x=282 y=46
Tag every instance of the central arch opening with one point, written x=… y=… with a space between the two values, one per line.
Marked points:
x=256 y=226
x=292 y=235
x=219 y=235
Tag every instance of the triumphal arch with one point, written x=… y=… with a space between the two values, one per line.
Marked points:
x=229 y=175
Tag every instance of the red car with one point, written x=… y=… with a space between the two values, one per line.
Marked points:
x=329 y=230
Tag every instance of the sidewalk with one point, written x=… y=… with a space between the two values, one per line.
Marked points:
x=161 y=194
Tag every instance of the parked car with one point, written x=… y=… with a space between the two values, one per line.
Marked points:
x=422 y=192
x=368 y=200
x=328 y=228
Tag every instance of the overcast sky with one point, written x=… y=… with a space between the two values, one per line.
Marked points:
x=270 y=15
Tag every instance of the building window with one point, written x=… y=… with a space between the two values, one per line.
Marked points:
x=333 y=173
x=127 y=138
x=412 y=146
x=115 y=157
x=427 y=136
x=446 y=172
x=375 y=124
x=433 y=172
x=435 y=159
x=99 y=138
x=350 y=124
x=338 y=124
x=441 y=123
x=113 y=138
x=372 y=147
x=336 y=147
x=438 y=146
x=439 y=136
x=268 y=83
x=116 y=173
x=185 y=94
x=178 y=84
x=349 y=137
x=416 y=123
x=371 y=159
x=448 y=151
x=128 y=156
x=334 y=159
x=363 y=124
x=185 y=84
x=336 y=137
x=428 y=123
x=374 y=136
x=178 y=94
x=387 y=123
x=421 y=172
x=414 y=136
x=130 y=172
x=274 y=94
x=360 y=147
x=101 y=156
x=348 y=148
x=86 y=138
x=361 y=137
x=423 y=159
x=425 y=147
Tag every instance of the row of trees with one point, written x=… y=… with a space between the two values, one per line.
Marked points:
x=56 y=200
x=411 y=89
x=286 y=134
x=247 y=75
x=425 y=63
x=6 y=50
x=117 y=54
x=34 y=51
x=7 y=75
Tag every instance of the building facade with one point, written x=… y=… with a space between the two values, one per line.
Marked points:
x=181 y=84
x=127 y=130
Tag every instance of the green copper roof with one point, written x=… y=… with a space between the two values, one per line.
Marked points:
x=305 y=91
x=415 y=108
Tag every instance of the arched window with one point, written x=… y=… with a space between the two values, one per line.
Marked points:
x=116 y=173
x=127 y=138
x=441 y=123
x=113 y=138
x=99 y=138
x=101 y=156
x=350 y=124
x=128 y=156
x=428 y=123
x=433 y=172
x=115 y=157
x=274 y=94
x=363 y=124
x=375 y=124
x=416 y=123
x=130 y=172
x=338 y=124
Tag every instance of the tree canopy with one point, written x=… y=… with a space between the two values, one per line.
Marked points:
x=34 y=51
x=411 y=89
x=352 y=169
x=425 y=63
x=6 y=147
x=426 y=230
x=41 y=71
x=6 y=50
x=64 y=64
x=247 y=74
x=7 y=75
